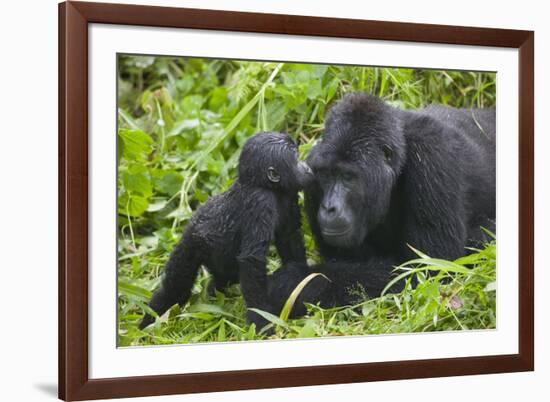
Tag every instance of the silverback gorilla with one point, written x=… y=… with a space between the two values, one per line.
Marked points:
x=386 y=178
x=231 y=233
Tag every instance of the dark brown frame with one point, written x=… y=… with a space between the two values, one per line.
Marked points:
x=74 y=17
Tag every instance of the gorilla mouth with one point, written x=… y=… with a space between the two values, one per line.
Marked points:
x=337 y=232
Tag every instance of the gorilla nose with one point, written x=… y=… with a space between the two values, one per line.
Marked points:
x=329 y=210
x=331 y=220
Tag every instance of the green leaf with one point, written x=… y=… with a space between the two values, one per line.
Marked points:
x=214 y=165
x=132 y=205
x=192 y=104
x=332 y=88
x=251 y=334
x=128 y=119
x=417 y=252
x=221 y=331
x=470 y=259
x=198 y=316
x=218 y=98
x=157 y=205
x=270 y=317
x=135 y=144
x=183 y=126
x=136 y=180
x=208 y=331
x=168 y=182
x=276 y=113
x=318 y=70
x=314 y=89
x=133 y=290
x=308 y=330
x=289 y=304
x=208 y=308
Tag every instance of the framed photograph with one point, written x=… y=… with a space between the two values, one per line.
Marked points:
x=261 y=200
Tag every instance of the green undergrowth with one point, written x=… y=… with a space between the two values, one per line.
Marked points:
x=448 y=296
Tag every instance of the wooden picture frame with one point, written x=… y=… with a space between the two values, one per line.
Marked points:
x=74 y=381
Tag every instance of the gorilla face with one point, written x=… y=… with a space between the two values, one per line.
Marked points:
x=340 y=219
x=353 y=198
x=270 y=160
x=356 y=166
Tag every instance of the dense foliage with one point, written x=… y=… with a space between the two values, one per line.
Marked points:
x=181 y=123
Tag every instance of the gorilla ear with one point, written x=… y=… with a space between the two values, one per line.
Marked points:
x=388 y=153
x=273 y=175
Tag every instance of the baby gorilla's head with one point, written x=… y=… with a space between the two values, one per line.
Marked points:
x=270 y=160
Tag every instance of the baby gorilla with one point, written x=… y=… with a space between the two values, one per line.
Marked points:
x=231 y=233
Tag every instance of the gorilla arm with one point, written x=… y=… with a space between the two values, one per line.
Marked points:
x=255 y=240
x=289 y=239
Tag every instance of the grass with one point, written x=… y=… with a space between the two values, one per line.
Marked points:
x=459 y=295
x=182 y=122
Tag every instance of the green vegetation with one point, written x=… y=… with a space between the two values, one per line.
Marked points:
x=181 y=124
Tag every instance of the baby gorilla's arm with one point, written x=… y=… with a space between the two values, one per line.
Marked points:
x=257 y=235
x=289 y=239
x=290 y=247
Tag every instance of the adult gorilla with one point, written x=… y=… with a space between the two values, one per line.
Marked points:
x=387 y=178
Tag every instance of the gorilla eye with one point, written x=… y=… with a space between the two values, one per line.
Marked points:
x=388 y=153
x=347 y=176
x=272 y=175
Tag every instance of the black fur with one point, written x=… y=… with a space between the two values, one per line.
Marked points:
x=385 y=178
x=230 y=234
x=344 y=283
x=339 y=286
